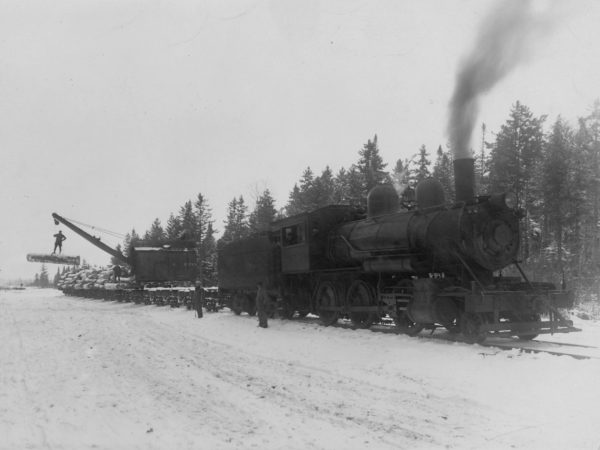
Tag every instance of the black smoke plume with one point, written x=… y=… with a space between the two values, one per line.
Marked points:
x=504 y=40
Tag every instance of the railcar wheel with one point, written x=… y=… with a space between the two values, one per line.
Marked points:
x=327 y=297
x=288 y=310
x=237 y=304
x=361 y=294
x=453 y=327
x=529 y=337
x=251 y=308
x=470 y=325
x=406 y=326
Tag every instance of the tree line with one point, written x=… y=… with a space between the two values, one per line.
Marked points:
x=553 y=169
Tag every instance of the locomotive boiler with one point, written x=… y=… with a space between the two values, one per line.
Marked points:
x=433 y=265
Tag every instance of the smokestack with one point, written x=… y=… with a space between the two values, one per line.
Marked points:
x=464 y=179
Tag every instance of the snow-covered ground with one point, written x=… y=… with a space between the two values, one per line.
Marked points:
x=88 y=374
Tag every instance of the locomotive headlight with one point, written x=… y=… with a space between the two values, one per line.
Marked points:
x=510 y=200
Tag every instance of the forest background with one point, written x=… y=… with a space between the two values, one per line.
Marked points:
x=552 y=168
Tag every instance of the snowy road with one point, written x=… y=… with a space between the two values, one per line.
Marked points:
x=79 y=374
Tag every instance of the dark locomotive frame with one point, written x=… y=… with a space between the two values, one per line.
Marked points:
x=426 y=267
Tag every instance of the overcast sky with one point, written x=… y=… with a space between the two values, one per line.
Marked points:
x=115 y=113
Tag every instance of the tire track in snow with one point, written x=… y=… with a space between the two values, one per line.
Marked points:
x=20 y=357
x=291 y=385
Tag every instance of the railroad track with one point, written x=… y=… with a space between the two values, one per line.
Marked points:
x=577 y=351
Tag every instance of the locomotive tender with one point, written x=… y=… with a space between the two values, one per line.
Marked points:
x=424 y=267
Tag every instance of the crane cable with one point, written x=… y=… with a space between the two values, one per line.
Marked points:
x=101 y=230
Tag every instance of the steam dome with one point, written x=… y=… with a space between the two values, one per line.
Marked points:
x=382 y=199
x=430 y=193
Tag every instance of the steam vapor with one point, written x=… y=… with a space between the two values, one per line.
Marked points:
x=504 y=41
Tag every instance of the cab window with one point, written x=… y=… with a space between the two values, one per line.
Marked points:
x=292 y=235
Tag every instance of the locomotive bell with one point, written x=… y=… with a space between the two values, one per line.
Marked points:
x=382 y=199
x=430 y=193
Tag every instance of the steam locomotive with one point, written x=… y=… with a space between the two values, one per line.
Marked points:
x=435 y=265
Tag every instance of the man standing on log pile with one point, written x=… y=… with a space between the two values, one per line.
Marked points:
x=59 y=238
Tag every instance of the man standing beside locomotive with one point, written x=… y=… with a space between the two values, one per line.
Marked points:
x=262 y=305
x=198 y=300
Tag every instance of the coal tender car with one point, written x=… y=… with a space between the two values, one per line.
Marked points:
x=435 y=265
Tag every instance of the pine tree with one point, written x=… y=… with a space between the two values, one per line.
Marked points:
x=264 y=213
x=114 y=260
x=588 y=148
x=209 y=258
x=203 y=215
x=300 y=199
x=371 y=167
x=557 y=195
x=204 y=237
x=293 y=206
x=444 y=173
x=401 y=181
x=423 y=164
x=515 y=164
x=236 y=225
x=44 y=280
x=131 y=240
x=156 y=235
x=173 y=230
x=187 y=219
x=481 y=163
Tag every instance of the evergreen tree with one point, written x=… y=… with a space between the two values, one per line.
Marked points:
x=115 y=261
x=301 y=198
x=348 y=187
x=156 y=235
x=557 y=193
x=203 y=215
x=423 y=164
x=43 y=279
x=516 y=154
x=174 y=228
x=481 y=163
x=588 y=148
x=294 y=202
x=444 y=173
x=515 y=163
x=340 y=186
x=56 y=277
x=236 y=225
x=401 y=182
x=131 y=240
x=264 y=213
x=371 y=167
x=204 y=237
x=323 y=190
x=187 y=219
x=209 y=260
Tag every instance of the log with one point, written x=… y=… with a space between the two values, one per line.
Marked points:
x=53 y=259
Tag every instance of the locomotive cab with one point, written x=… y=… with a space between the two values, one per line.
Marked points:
x=303 y=238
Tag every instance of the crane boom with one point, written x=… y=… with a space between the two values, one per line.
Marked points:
x=92 y=239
